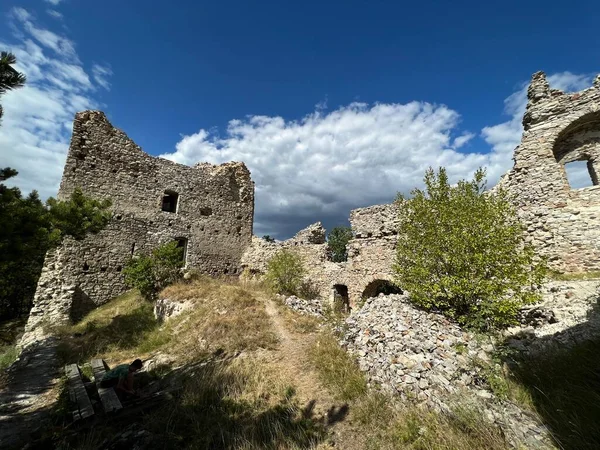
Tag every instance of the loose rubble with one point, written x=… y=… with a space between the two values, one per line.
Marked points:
x=309 y=307
x=422 y=356
x=567 y=315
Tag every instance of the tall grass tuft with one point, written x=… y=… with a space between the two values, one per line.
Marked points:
x=337 y=370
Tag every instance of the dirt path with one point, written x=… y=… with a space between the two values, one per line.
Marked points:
x=292 y=360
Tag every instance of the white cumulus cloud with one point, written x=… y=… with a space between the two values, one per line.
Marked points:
x=320 y=167
x=37 y=122
x=53 y=2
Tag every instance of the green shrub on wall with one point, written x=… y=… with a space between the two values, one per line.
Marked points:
x=285 y=273
x=463 y=252
x=152 y=273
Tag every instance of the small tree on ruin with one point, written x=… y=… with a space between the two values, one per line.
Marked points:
x=462 y=251
x=337 y=240
x=285 y=272
x=153 y=272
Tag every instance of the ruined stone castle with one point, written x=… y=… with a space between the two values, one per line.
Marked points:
x=209 y=209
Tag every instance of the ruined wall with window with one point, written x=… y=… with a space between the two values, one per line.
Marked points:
x=560 y=206
x=207 y=209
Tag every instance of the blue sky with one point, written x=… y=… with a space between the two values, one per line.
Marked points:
x=332 y=105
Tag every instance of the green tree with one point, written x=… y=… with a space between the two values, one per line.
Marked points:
x=152 y=273
x=285 y=272
x=28 y=229
x=337 y=240
x=78 y=216
x=462 y=251
x=268 y=238
x=9 y=77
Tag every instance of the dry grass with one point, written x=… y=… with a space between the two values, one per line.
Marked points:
x=236 y=405
x=119 y=330
x=225 y=317
x=298 y=323
x=337 y=370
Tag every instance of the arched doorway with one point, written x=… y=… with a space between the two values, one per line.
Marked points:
x=376 y=287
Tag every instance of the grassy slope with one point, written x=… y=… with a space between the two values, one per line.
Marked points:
x=281 y=380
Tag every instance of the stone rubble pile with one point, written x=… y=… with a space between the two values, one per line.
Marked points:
x=422 y=356
x=411 y=352
x=303 y=306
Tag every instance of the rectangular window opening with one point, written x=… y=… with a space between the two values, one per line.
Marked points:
x=169 y=201
x=581 y=174
x=183 y=244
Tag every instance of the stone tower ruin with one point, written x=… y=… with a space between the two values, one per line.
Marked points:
x=207 y=209
x=559 y=128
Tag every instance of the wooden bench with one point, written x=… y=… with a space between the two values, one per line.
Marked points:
x=108 y=396
x=78 y=394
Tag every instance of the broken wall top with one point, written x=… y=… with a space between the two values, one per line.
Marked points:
x=104 y=162
x=559 y=128
x=375 y=221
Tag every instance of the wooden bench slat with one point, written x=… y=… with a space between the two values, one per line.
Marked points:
x=108 y=396
x=98 y=368
x=110 y=399
x=78 y=393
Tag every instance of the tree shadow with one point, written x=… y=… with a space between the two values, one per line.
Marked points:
x=561 y=372
x=124 y=331
x=222 y=406
x=24 y=409
x=213 y=404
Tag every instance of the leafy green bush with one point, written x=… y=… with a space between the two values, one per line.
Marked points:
x=152 y=273
x=338 y=240
x=308 y=290
x=462 y=251
x=285 y=272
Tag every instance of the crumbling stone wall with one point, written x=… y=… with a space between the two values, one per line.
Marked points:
x=370 y=254
x=212 y=216
x=563 y=223
x=310 y=244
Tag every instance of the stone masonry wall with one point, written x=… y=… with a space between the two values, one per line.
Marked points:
x=370 y=254
x=563 y=223
x=213 y=216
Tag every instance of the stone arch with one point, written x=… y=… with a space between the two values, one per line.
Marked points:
x=379 y=286
x=580 y=141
